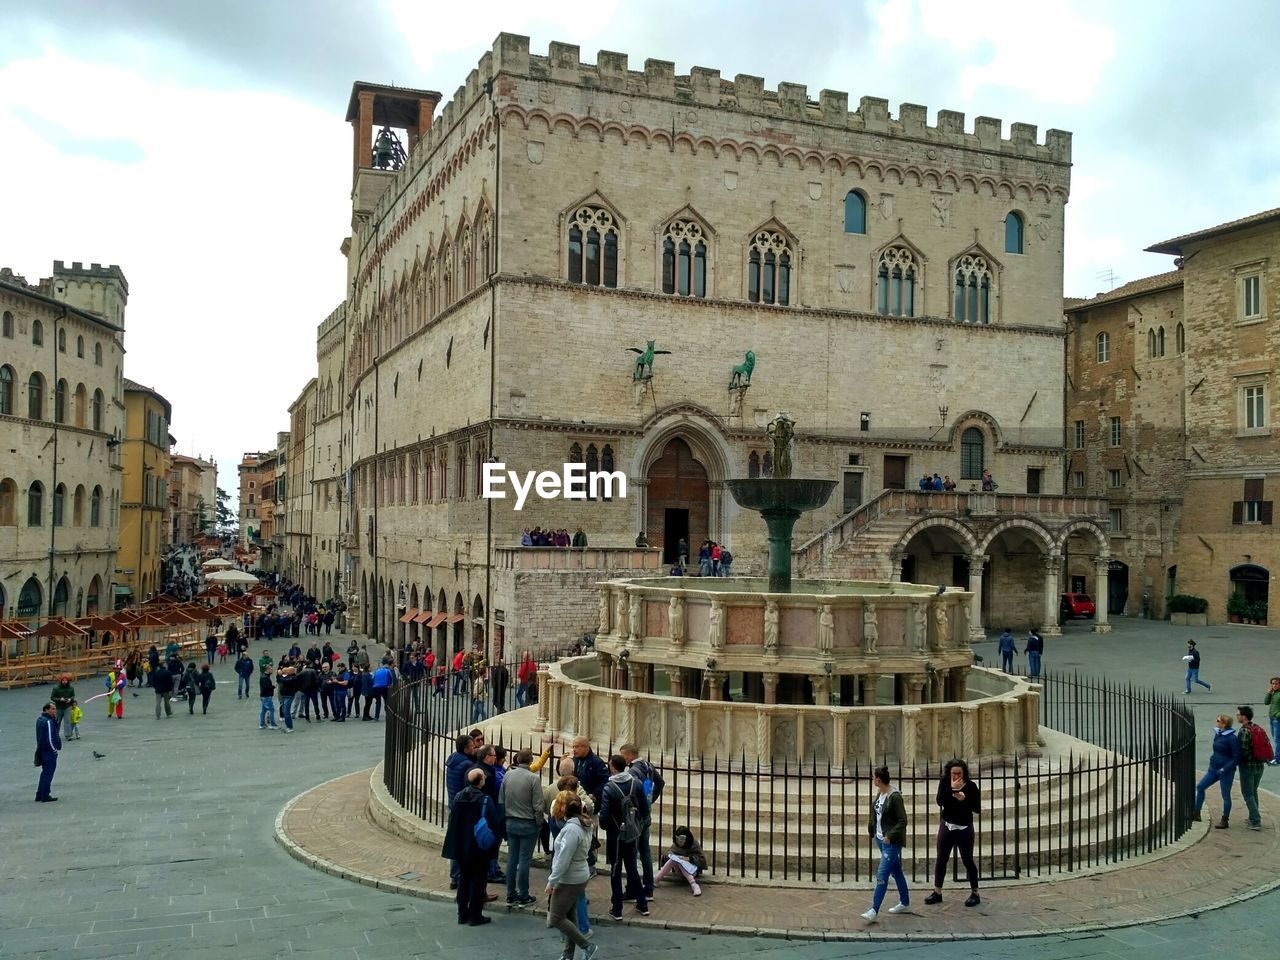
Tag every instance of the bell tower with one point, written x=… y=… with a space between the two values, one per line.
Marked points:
x=386 y=124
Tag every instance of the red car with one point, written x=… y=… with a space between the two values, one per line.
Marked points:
x=1077 y=605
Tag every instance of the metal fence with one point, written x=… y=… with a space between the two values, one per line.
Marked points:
x=1127 y=791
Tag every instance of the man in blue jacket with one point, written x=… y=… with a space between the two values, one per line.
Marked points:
x=48 y=743
x=383 y=678
x=1007 y=649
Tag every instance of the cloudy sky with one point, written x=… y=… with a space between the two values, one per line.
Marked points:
x=201 y=145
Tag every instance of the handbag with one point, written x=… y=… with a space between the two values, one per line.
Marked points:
x=486 y=839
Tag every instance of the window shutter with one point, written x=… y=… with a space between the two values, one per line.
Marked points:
x=1237 y=512
x=1253 y=489
x=1264 y=512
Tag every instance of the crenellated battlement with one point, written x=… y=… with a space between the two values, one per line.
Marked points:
x=96 y=271
x=789 y=101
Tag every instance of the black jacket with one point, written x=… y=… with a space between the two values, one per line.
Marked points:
x=308 y=680
x=244 y=667
x=592 y=774
x=162 y=681
x=459 y=838
x=266 y=686
x=959 y=812
x=893 y=818
x=205 y=682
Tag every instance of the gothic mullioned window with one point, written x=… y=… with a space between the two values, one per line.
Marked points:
x=684 y=259
x=593 y=247
x=973 y=290
x=896 y=280
x=769 y=262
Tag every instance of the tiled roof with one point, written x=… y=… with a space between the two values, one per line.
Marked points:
x=1175 y=245
x=1161 y=281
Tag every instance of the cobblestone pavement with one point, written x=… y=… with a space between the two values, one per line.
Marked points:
x=167 y=842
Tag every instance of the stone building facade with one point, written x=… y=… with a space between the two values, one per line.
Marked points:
x=144 y=517
x=1172 y=377
x=862 y=268
x=193 y=498
x=61 y=418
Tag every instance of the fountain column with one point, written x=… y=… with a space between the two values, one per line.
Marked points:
x=1100 y=593
x=675 y=677
x=976 y=562
x=714 y=680
x=770 y=688
x=869 y=681
x=821 y=690
x=915 y=688
x=1052 y=563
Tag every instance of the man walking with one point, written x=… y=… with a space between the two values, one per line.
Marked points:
x=623 y=812
x=383 y=678
x=244 y=670
x=210 y=645
x=1273 y=711
x=1007 y=649
x=479 y=688
x=162 y=684
x=48 y=743
x=1192 y=658
x=888 y=824
x=267 y=694
x=524 y=807
x=499 y=682
x=1035 y=650
x=1253 y=748
x=650 y=780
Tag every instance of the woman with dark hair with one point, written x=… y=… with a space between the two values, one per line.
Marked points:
x=959 y=799
x=685 y=857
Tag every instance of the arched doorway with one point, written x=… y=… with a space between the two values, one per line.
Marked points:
x=91 y=601
x=456 y=620
x=411 y=629
x=442 y=629
x=1251 y=583
x=61 y=599
x=4 y=603
x=938 y=553
x=1117 y=587
x=30 y=600
x=477 y=622
x=364 y=604
x=678 y=500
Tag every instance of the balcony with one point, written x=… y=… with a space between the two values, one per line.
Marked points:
x=647 y=559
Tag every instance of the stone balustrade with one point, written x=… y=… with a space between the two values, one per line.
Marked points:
x=578 y=558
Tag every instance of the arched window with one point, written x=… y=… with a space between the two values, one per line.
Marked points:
x=35 y=504
x=6 y=329
x=766 y=464
x=35 y=396
x=91 y=603
x=1180 y=340
x=60 y=402
x=753 y=465
x=769 y=269
x=1013 y=229
x=1102 y=344
x=80 y=347
x=95 y=507
x=77 y=507
x=1151 y=343
x=593 y=465
x=62 y=340
x=61 y=597
x=896 y=283
x=684 y=259
x=973 y=290
x=855 y=212
x=98 y=399
x=972 y=454
x=81 y=404
x=30 y=600
x=593 y=247
x=8 y=503
x=97 y=354
x=606 y=464
x=37 y=333
x=59 y=503
x=6 y=390
x=1160 y=342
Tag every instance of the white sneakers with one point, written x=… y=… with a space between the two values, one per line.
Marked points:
x=871 y=916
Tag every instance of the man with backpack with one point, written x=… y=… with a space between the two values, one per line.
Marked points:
x=647 y=775
x=1255 y=752
x=474 y=832
x=624 y=810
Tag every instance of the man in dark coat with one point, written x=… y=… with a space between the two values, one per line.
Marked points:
x=499 y=681
x=48 y=743
x=460 y=845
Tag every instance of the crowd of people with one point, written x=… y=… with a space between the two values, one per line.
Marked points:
x=537 y=537
x=933 y=483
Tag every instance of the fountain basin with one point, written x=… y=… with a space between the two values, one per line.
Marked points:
x=772 y=494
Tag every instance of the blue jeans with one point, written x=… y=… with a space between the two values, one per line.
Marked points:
x=1223 y=780
x=286 y=708
x=704 y=568
x=1275 y=731
x=646 y=859
x=242 y=686
x=1033 y=663
x=268 y=712
x=1193 y=676
x=520 y=688
x=1006 y=661
x=890 y=866
x=478 y=712
x=584 y=922
x=522 y=836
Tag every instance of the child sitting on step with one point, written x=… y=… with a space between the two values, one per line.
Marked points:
x=685 y=857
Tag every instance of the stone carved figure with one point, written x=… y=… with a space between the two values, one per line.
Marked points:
x=886 y=739
x=921 y=627
x=771 y=628
x=653 y=731
x=941 y=208
x=939 y=626
x=870 y=629
x=634 y=621
x=784 y=740
x=715 y=628
x=675 y=618
x=815 y=740
x=826 y=630
x=604 y=611
x=714 y=744
x=620 y=613
x=781 y=431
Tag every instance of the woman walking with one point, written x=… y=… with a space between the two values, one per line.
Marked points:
x=206 y=685
x=888 y=824
x=1222 y=768
x=958 y=797
x=569 y=875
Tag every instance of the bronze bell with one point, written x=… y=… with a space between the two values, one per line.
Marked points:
x=384 y=149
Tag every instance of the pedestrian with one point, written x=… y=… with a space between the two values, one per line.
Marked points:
x=206 y=685
x=472 y=846
x=685 y=858
x=650 y=780
x=289 y=684
x=623 y=812
x=339 y=685
x=888 y=824
x=456 y=766
x=1273 y=711
x=162 y=684
x=383 y=679
x=726 y=562
x=1192 y=659
x=526 y=678
x=960 y=801
x=187 y=686
x=326 y=689
x=309 y=686
x=499 y=682
x=117 y=680
x=63 y=696
x=1255 y=751
x=1035 y=650
x=479 y=687
x=222 y=652
x=1007 y=648
x=265 y=660
x=75 y=715
x=567 y=881
x=244 y=670
x=266 y=694
x=211 y=645
x=682 y=552
x=48 y=743
x=524 y=808
x=1224 y=758
x=153 y=662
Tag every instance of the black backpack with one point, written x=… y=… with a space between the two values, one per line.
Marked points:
x=629 y=824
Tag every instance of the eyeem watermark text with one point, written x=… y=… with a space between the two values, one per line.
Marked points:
x=573 y=482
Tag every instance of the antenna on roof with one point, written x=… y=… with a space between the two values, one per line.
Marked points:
x=1109 y=275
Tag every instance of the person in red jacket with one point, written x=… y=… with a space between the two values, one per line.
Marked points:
x=459 y=672
x=526 y=678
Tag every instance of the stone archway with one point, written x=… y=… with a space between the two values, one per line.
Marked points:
x=1084 y=550
x=678 y=500
x=1021 y=576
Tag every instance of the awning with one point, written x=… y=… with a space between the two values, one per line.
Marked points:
x=436 y=620
x=122 y=591
x=423 y=617
x=456 y=617
x=409 y=615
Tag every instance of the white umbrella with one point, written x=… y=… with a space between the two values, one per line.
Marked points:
x=217 y=563
x=231 y=576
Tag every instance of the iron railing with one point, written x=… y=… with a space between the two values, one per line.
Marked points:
x=1123 y=789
